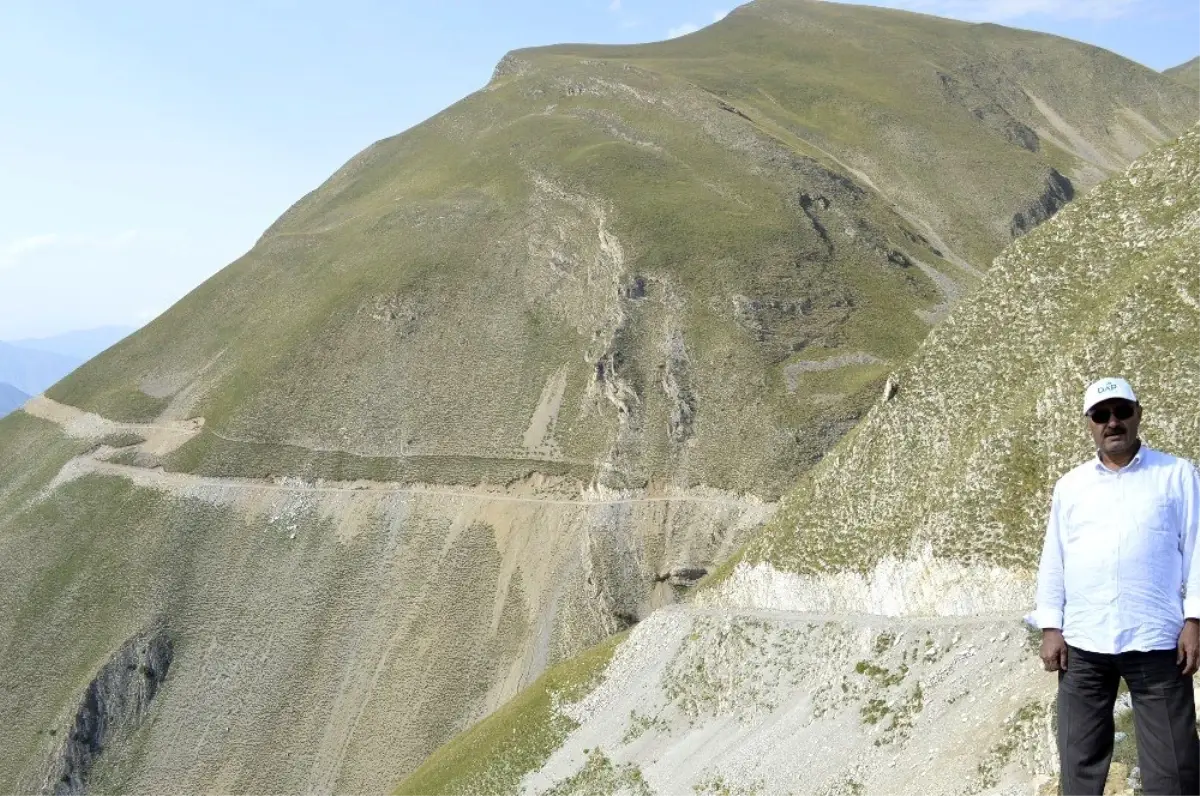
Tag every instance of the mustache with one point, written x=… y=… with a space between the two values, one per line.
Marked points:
x=1112 y=432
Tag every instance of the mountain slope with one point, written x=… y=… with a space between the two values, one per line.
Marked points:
x=32 y=371
x=1109 y=288
x=676 y=262
x=10 y=398
x=917 y=678
x=81 y=344
x=1187 y=73
x=507 y=382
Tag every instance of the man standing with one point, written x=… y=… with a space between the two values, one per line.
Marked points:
x=1118 y=596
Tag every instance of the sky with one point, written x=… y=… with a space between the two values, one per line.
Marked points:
x=145 y=145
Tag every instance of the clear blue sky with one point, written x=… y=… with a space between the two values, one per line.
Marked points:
x=144 y=145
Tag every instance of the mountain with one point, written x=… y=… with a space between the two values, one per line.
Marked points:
x=689 y=262
x=81 y=344
x=869 y=639
x=10 y=398
x=32 y=371
x=509 y=381
x=32 y=365
x=1187 y=73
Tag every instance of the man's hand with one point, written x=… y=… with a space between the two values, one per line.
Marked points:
x=1189 y=647
x=1054 y=649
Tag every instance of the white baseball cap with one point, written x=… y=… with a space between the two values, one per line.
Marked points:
x=1106 y=389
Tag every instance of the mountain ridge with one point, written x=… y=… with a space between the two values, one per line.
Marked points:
x=1187 y=73
x=32 y=371
x=81 y=344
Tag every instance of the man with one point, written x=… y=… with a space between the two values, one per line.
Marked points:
x=1118 y=596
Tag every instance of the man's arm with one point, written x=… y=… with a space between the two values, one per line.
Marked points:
x=1189 y=515
x=1051 y=592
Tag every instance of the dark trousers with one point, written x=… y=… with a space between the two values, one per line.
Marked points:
x=1164 y=721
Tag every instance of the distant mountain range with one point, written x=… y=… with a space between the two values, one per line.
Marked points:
x=80 y=343
x=31 y=365
x=10 y=398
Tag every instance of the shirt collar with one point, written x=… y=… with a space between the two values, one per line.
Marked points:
x=1142 y=453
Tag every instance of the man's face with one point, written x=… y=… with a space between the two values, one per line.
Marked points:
x=1114 y=425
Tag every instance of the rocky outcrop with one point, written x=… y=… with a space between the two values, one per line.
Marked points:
x=113 y=705
x=1058 y=192
x=991 y=114
x=675 y=386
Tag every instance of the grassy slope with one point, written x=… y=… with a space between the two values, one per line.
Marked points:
x=497 y=235
x=275 y=621
x=1187 y=73
x=492 y=756
x=322 y=642
x=984 y=423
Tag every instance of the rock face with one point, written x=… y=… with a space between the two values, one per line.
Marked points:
x=1058 y=192
x=458 y=409
x=112 y=707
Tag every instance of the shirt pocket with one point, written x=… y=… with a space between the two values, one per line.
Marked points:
x=1156 y=516
x=1150 y=539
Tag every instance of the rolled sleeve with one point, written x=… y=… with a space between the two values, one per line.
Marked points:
x=1047 y=618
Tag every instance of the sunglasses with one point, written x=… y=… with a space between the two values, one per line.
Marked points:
x=1121 y=412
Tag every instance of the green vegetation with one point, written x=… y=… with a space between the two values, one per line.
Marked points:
x=639 y=724
x=208 y=454
x=601 y=777
x=874 y=710
x=984 y=422
x=32 y=452
x=717 y=785
x=122 y=440
x=882 y=675
x=492 y=756
x=1026 y=722
x=1125 y=750
x=49 y=593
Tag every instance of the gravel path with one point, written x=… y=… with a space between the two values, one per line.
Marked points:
x=161 y=439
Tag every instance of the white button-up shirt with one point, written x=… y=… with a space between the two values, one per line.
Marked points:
x=1118 y=571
